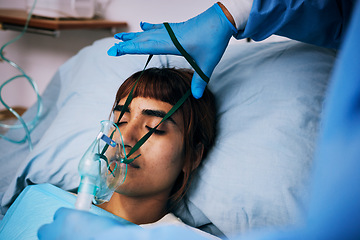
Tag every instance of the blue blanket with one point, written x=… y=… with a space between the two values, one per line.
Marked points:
x=36 y=206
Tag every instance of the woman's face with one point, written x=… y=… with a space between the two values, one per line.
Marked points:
x=162 y=155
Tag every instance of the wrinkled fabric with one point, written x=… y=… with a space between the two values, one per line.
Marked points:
x=319 y=22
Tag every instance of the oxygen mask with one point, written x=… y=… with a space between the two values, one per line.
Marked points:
x=102 y=168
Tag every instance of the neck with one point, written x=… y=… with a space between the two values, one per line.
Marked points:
x=136 y=210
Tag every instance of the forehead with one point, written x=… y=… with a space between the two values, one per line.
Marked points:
x=146 y=103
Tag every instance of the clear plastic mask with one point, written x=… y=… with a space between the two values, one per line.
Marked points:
x=112 y=169
x=102 y=168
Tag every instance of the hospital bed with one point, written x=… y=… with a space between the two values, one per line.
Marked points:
x=269 y=96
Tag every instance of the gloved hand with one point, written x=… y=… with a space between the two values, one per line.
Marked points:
x=76 y=224
x=81 y=225
x=205 y=37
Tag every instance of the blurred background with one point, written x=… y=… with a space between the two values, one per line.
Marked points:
x=41 y=55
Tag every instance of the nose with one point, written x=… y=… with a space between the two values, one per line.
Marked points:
x=130 y=135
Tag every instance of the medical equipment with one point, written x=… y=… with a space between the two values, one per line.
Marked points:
x=29 y=126
x=102 y=168
x=64 y=8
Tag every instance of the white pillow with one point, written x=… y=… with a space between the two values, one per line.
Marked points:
x=269 y=98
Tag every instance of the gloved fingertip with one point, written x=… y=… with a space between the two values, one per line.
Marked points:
x=197 y=86
x=197 y=93
x=118 y=36
x=112 y=51
x=42 y=231
x=144 y=25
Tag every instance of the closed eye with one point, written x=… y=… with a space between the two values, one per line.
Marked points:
x=156 y=131
x=120 y=123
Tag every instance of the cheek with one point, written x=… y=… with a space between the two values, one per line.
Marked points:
x=167 y=154
x=161 y=163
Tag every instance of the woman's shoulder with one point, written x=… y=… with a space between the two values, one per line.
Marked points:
x=171 y=219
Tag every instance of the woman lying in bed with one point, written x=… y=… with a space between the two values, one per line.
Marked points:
x=159 y=178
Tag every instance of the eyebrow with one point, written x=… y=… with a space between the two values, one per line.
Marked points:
x=147 y=112
x=157 y=113
x=120 y=108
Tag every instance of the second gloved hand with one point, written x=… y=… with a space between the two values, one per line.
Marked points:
x=205 y=37
x=75 y=224
x=81 y=225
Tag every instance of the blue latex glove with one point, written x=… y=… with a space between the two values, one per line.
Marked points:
x=76 y=224
x=205 y=37
x=81 y=225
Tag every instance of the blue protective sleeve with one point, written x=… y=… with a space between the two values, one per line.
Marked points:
x=334 y=211
x=319 y=22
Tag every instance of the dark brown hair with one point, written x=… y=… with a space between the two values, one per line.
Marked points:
x=169 y=85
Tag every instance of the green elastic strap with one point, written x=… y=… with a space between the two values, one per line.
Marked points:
x=172 y=110
x=130 y=97
x=176 y=106
x=187 y=56
x=126 y=105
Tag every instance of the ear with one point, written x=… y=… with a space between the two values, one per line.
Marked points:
x=198 y=157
